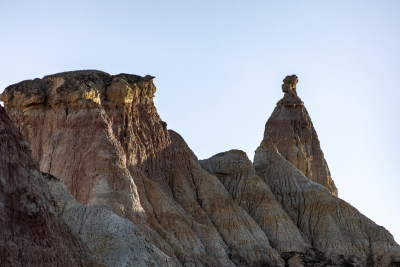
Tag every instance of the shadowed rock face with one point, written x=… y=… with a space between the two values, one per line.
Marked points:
x=31 y=232
x=101 y=135
x=292 y=132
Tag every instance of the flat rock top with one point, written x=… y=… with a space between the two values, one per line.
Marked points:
x=87 y=74
x=84 y=84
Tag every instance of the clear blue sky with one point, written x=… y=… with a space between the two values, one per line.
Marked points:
x=219 y=68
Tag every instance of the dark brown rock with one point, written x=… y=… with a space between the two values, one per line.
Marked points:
x=31 y=232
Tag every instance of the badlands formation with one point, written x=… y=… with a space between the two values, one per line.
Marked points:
x=101 y=181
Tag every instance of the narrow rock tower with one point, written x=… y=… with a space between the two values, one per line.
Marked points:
x=291 y=130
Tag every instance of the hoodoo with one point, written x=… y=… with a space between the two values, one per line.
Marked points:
x=292 y=132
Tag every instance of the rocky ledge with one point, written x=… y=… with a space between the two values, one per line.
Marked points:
x=73 y=86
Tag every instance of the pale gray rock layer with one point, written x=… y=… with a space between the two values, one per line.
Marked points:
x=114 y=241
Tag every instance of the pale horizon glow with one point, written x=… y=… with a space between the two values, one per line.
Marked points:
x=219 y=67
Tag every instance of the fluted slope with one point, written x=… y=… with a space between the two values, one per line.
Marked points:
x=252 y=194
x=332 y=225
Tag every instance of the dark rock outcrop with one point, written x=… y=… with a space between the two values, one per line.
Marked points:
x=31 y=232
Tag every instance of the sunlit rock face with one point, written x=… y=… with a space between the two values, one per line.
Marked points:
x=292 y=132
x=31 y=233
x=101 y=135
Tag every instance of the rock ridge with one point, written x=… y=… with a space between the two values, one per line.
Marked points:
x=69 y=87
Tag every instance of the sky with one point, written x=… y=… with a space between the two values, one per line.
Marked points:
x=219 y=67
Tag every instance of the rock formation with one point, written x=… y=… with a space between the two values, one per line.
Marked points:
x=31 y=232
x=288 y=155
x=102 y=137
x=291 y=130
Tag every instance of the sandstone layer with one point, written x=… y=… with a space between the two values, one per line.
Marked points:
x=31 y=232
x=102 y=137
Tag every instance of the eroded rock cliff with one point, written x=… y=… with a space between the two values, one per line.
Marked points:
x=101 y=135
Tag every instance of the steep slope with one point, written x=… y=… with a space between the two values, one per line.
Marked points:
x=291 y=130
x=102 y=136
x=31 y=232
x=237 y=174
x=113 y=241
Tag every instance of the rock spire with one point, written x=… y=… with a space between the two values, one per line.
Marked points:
x=291 y=130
